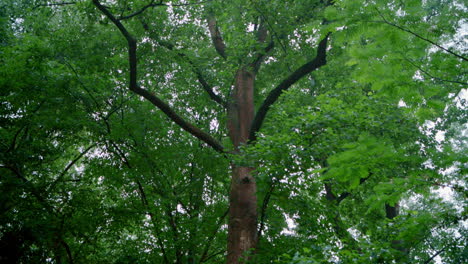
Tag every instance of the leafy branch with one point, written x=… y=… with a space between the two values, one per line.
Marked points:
x=156 y=101
x=201 y=79
x=419 y=36
x=432 y=76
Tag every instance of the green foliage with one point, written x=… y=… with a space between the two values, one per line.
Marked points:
x=91 y=173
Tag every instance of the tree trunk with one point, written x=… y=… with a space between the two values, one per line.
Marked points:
x=392 y=212
x=242 y=231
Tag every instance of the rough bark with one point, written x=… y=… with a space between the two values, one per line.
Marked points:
x=242 y=231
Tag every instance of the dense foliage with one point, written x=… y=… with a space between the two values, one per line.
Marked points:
x=364 y=160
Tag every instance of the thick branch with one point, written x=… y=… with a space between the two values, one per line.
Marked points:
x=132 y=58
x=215 y=97
x=262 y=32
x=179 y=120
x=218 y=41
x=273 y=96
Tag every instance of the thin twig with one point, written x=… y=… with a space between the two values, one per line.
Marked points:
x=419 y=36
x=432 y=76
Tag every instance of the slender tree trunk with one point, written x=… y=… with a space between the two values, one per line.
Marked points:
x=392 y=212
x=242 y=231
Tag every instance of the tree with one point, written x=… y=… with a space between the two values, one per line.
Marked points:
x=83 y=135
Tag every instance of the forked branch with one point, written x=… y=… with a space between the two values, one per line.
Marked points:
x=156 y=101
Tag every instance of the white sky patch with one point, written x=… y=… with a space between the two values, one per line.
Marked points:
x=181 y=209
x=291 y=225
x=214 y=124
x=402 y=103
x=250 y=27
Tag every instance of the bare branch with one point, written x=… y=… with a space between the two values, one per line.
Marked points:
x=218 y=41
x=317 y=62
x=156 y=101
x=420 y=37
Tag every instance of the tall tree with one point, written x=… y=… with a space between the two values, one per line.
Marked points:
x=242 y=122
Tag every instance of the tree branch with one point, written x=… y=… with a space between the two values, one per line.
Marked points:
x=67 y=249
x=204 y=256
x=68 y=167
x=432 y=76
x=151 y=4
x=440 y=251
x=132 y=58
x=214 y=255
x=260 y=56
x=144 y=201
x=420 y=37
x=273 y=96
x=218 y=41
x=346 y=194
x=215 y=97
x=266 y=200
x=195 y=131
